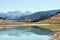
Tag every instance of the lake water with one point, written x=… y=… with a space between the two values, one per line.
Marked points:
x=24 y=34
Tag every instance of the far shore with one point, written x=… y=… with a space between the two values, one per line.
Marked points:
x=52 y=27
x=27 y=24
x=24 y=24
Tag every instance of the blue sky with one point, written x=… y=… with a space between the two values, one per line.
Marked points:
x=29 y=5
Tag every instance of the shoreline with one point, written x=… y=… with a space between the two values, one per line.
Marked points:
x=52 y=27
x=24 y=24
x=27 y=24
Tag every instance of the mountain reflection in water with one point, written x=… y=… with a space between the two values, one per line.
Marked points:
x=21 y=33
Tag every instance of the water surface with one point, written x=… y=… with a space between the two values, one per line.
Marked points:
x=24 y=34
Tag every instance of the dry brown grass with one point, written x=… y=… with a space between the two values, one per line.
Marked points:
x=48 y=21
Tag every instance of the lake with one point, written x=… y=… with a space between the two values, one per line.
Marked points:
x=24 y=34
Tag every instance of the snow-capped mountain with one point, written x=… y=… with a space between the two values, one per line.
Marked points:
x=14 y=15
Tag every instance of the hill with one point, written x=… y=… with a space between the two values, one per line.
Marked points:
x=40 y=15
x=53 y=20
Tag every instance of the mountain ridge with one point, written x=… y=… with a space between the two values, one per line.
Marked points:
x=17 y=15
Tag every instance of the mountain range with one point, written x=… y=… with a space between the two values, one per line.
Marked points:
x=18 y=15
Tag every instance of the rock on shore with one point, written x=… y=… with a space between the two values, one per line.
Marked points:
x=55 y=36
